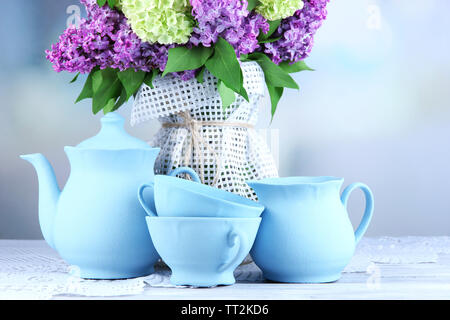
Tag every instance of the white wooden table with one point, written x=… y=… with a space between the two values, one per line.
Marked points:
x=383 y=268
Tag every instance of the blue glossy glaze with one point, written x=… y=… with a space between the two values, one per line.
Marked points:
x=96 y=222
x=203 y=252
x=306 y=235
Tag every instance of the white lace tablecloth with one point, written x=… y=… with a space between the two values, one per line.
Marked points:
x=32 y=270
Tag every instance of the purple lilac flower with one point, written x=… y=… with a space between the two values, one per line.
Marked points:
x=297 y=33
x=228 y=19
x=104 y=39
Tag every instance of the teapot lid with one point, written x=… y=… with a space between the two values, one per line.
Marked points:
x=112 y=135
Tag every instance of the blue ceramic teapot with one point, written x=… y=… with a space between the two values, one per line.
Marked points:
x=96 y=222
x=305 y=234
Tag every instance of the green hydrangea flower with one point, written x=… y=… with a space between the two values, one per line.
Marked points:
x=162 y=21
x=278 y=9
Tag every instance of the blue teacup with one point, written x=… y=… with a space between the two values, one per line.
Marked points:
x=203 y=252
x=174 y=197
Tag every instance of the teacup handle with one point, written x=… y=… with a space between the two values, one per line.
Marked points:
x=141 y=198
x=368 y=210
x=174 y=173
x=234 y=238
x=186 y=170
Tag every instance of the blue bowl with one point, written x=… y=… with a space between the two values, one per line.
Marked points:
x=203 y=252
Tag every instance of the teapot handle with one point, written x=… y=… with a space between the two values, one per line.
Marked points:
x=234 y=238
x=368 y=210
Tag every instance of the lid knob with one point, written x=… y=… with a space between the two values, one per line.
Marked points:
x=112 y=118
x=113 y=135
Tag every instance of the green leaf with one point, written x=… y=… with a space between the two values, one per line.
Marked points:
x=97 y=79
x=101 y=3
x=275 y=96
x=200 y=75
x=225 y=66
x=150 y=76
x=131 y=80
x=76 y=78
x=273 y=26
x=109 y=106
x=252 y=4
x=122 y=99
x=243 y=93
x=112 y=3
x=244 y=57
x=227 y=95
x=87 y=91
x=273 y=73
x=270 y=40
x=106 y=86
x=182 y=59
x=295 y=67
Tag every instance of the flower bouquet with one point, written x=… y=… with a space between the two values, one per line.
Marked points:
x=198 y=66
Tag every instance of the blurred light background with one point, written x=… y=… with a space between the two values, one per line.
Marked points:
x=376 y=110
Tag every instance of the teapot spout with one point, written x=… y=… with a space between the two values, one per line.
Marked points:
x=48 y=194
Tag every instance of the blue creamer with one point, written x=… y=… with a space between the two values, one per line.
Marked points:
x=96 y=223
x=305 y=234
